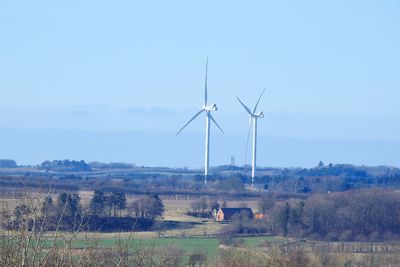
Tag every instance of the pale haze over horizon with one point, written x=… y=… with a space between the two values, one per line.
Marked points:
x=114 y=81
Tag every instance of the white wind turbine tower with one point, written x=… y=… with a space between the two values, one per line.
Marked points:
x=253 y=118
x=207 y=109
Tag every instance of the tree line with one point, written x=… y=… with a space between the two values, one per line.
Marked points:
x=356 y=215
x=105 y=212
x=64 y=165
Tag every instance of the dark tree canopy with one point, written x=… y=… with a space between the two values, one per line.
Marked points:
x=148 y=207
x=8 y=163
x=64 y=165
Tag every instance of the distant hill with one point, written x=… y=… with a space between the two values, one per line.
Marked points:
x=64 y=165
x=111 y=165
x=8 y=163
x=306 y=181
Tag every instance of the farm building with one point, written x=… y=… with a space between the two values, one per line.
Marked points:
x=259 y=215
x=226 y=214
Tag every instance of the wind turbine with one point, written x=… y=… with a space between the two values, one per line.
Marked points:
x=253 y=118
x=207 y=109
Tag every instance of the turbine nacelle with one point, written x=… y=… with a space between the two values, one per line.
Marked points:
x=209 y=108
x=259 y=115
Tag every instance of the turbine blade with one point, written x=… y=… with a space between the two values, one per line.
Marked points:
x=212 y=118
x=248 y=137
x=245 y=107
x=205 y=85
x=259 y=99
x=195 y=116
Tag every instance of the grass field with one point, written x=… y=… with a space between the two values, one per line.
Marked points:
x=208 y=245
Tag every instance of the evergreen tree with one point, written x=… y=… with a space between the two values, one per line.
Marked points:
x=97 y=205
x=283 y=218
x=116 y=201
x=68 y=205
x=120 y=201
x=47 y=206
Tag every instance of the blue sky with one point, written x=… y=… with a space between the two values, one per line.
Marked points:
x=114 y=81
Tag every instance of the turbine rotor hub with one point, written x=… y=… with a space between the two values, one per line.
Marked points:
x=212 y=107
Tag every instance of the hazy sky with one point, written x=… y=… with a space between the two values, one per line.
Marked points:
x=115 y=80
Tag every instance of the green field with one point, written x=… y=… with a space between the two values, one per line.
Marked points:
x=208 y=245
